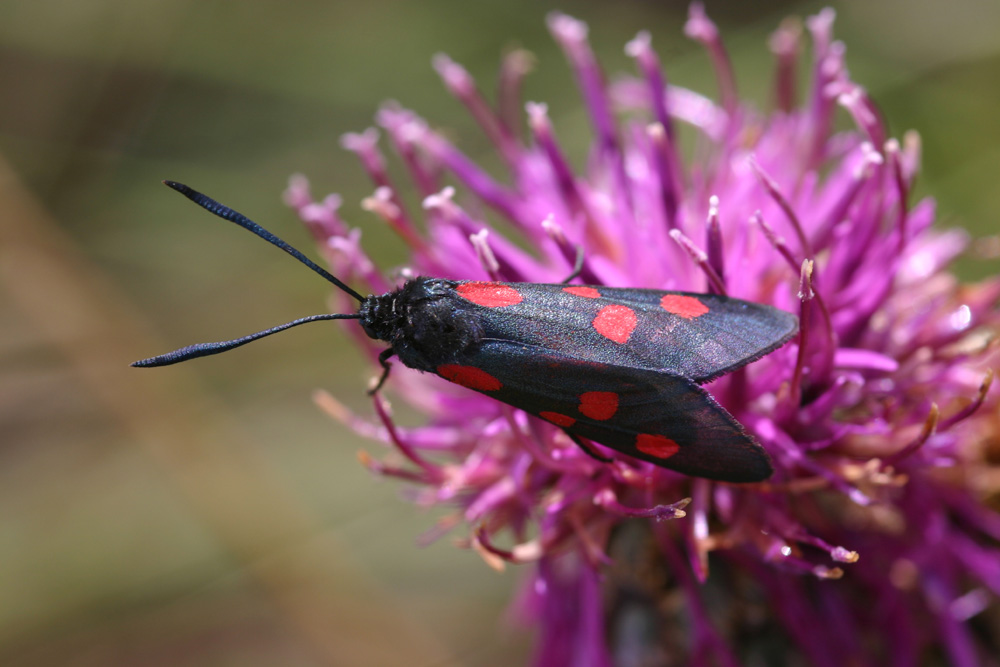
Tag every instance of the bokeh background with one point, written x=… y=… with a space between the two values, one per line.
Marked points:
x=210 y=514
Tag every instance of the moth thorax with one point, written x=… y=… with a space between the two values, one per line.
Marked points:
x=425 y=322
x=442 y=330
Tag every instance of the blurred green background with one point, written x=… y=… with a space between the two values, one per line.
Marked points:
x=210 y=514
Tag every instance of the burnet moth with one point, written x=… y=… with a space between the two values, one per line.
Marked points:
x=620 y=367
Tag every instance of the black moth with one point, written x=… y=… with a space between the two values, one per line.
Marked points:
x=617 y=366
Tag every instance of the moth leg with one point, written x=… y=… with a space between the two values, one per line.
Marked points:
x=383 y=360
x=587 y=448
x=577 y=266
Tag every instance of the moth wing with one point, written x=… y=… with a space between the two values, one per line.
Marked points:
x=703 y=345
x=697 y=336
x=655 y=416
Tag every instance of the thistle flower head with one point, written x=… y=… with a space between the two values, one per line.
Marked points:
x=878 y=416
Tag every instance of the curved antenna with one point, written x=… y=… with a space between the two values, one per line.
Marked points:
x=229 y=214
x=206 y=349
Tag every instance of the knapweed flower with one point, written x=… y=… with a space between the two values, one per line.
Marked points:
x=875 y=541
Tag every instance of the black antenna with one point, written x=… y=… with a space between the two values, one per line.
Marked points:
x=205 y=349
x=229 y=214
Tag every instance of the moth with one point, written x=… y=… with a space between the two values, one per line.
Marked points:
x=621 y=367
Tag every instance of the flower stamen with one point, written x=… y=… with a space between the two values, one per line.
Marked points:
x=977 y=402
x=700 y=258
x=607 y=499
x=461 y=84
x=929 y=429
x=775 y=192
x=713 y=240
x=784 y=44
x=384 y=203
x=382 y=410
x=701 y=29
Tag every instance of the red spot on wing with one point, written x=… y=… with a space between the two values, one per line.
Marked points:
x=682 y=305
x=557 y=418
x=490 y=295
x=469 y=376
x=588 y=292
x=599 y=405
x=616 y=323
x=659 y=446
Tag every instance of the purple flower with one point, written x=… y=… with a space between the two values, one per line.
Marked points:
x=877 y=416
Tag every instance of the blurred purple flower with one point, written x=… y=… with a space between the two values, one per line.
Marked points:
x=878 y=417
